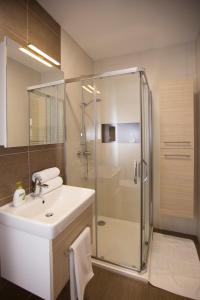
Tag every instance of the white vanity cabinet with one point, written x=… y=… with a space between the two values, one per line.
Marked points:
x=37 y=260
x=37 y=264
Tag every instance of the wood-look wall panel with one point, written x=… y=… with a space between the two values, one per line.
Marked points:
x=13 y=19
x=60 y=246
x=43 y=31
x=177 y=188
x=35 y=7
x=25 y=21
x=177 y=114
x=177 y=182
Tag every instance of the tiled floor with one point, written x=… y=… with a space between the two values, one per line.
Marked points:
x=105 y=285
x=9 y=291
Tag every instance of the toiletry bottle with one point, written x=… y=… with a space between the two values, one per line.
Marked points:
x=19 y=195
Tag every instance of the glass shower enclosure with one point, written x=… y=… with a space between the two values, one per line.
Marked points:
x=109 y=148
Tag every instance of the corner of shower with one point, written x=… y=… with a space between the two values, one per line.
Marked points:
x=109 y=122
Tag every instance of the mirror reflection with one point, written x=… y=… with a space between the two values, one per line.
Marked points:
x=47 y=115
x=46 y=105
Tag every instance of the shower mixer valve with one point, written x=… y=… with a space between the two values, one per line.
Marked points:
x=83 y=153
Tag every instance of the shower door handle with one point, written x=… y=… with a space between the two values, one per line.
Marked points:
x=146 y=170
x=135 y=167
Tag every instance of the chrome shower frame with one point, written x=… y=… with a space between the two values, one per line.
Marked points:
x=142 y=76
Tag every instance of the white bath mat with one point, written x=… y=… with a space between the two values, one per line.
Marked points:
x=175 y=266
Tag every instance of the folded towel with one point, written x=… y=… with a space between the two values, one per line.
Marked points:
x=52 y=185
x=80 y=264
x=46 y=174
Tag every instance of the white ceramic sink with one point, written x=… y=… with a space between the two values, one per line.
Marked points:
x=48 y=219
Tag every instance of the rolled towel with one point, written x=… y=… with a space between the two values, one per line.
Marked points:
x=52 y=185
x=46 y=174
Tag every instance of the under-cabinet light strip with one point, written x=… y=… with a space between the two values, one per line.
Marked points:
x=35 y=57
x=40 y=52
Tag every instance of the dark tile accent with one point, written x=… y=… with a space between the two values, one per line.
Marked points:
x=5 y=200
x=13 y=168
x=47 y=158
x=18 y=164
x=12 y=150
x=47 y=146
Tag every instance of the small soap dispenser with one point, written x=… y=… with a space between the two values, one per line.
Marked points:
x=19 y=195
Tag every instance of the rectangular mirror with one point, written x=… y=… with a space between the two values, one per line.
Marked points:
x=19 y=71
x=47 y=114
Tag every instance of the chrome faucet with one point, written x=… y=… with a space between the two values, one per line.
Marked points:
x=37 y=188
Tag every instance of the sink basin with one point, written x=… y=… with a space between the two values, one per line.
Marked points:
x=50 y=214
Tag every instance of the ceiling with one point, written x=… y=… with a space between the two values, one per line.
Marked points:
x=107 y=28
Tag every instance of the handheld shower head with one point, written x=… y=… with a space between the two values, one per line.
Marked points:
x=91 y=101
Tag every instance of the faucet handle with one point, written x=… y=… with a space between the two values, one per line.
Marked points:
x=44 y=185
x=37 y=188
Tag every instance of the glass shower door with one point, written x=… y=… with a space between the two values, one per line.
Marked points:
x=109 y=149
x=118 y=157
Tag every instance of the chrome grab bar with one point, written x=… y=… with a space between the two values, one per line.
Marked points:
x=177 y=142
x=177 y=155
x=146 y=171
x=135 y=167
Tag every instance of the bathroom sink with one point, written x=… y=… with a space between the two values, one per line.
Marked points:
x=50 y=214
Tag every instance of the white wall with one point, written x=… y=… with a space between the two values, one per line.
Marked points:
x=198 y=124
x=176 y=62
x=75 y=62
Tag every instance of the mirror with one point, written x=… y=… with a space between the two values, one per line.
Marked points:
x=28 y=114
x=47 y=114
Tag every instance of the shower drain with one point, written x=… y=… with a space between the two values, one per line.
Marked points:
x=49 y=214
x=101 y=223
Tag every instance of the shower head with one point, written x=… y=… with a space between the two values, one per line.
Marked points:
x=88 y=103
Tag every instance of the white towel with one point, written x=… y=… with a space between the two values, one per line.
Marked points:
x=46 y=174
x=52 y=185
x=80 y=264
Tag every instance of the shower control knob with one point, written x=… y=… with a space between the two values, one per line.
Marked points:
x=83 y=153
